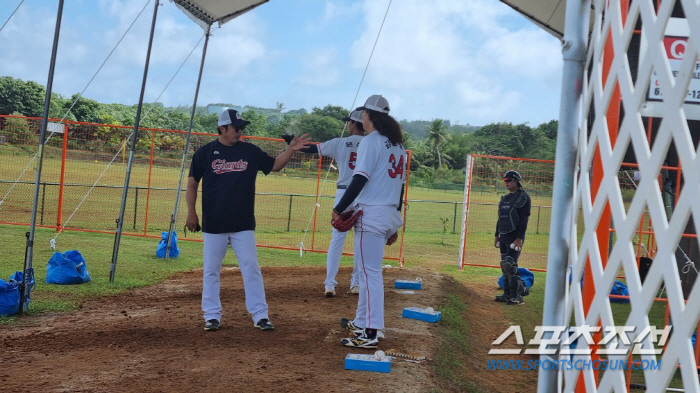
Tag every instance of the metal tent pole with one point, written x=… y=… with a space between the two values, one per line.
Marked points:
x=29 y=250
x=173 y=217
x=574 y=55
x=134 y=139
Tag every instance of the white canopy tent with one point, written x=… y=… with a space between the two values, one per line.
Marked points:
x=207 y=12
x=204 y=13
x=547 y=14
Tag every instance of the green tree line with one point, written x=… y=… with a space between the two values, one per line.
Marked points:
x=439 y=148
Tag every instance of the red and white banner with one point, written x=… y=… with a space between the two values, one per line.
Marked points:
x=675 y=51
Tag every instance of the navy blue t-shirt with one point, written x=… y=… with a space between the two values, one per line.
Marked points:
x=228 y=176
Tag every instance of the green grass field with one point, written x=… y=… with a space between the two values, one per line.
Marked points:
x=284 y=206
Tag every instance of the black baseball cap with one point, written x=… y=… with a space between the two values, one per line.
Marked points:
x=513 y=175
x=231 y=116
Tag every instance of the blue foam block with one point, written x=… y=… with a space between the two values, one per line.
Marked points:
x=364 y=362
x=421 y=314
x=408 y=284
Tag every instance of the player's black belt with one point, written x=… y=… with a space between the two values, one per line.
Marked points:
x=341 y=187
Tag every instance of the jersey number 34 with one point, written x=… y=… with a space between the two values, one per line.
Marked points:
x=396 y=168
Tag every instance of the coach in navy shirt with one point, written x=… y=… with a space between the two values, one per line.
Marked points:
x=227 y=168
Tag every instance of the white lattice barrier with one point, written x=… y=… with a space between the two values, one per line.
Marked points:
x=667 y=117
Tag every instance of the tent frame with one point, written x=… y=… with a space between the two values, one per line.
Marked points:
x=574 y=55
x=134 y=140
x=29 y=249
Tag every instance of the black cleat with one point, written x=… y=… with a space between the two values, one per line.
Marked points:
x=264 y=324
x=211 y=325
x=348 y=325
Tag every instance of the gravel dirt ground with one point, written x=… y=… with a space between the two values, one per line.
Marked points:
x=152 y=339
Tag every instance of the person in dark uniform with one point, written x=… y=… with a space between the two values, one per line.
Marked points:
x=228 y=168
x=513 y=213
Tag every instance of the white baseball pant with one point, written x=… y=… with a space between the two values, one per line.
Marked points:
x=335 y=252
x=243 y=245
x=374 y=227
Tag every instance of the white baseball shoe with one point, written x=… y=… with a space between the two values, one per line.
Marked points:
x=361 y=341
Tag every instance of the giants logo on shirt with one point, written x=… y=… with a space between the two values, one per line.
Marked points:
x=221 y=166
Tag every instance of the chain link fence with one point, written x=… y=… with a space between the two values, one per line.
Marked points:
x=83 y=176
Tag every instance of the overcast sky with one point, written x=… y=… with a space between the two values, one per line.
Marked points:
x=468 y=61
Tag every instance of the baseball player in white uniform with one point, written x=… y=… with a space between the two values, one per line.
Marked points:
x=377 y=189
x=228 y=168
x=344 y=152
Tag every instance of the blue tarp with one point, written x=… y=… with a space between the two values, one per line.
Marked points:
x=10 y=293
x=67 y=268
x=619 y=288
x=162 y=245
x=526 y=275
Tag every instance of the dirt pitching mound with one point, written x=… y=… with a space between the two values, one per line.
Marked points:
x=152 y=339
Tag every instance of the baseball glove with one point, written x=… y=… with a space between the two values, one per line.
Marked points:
x=392 y=239
x=287 y=138
x=346 y=220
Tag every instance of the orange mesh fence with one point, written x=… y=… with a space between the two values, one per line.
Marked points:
x=486 y=187
x=292 y=206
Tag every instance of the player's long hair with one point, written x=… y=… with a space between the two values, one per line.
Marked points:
x=386 y=125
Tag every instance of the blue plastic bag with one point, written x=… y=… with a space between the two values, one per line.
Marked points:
x=163 y=244
x=619 y=289
x=526 y=275
x=9 y=298
x=67 y=268
x=10 y=293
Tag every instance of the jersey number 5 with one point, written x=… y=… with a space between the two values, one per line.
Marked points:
x=396 y=168
x=353 y=159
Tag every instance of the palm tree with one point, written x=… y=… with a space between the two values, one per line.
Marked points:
x=437 y=135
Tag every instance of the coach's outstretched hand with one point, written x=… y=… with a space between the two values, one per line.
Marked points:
x=300 y=142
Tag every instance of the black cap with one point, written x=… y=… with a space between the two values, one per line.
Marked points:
x=513 y=175
x=231 y=116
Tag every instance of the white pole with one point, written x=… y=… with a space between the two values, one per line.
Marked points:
x=574 y=54
x=465 y=211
